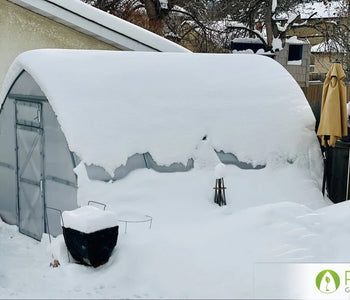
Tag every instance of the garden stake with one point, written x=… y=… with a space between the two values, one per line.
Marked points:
x=220 y=197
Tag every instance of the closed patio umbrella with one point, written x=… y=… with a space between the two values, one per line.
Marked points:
x=333 y=123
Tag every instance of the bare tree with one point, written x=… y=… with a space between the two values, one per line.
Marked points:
x=208 y=25
x=337 y=36
x=272 y=17
x=335 y=32
x=175 y=19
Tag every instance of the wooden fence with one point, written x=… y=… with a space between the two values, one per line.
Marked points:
x=313 y=94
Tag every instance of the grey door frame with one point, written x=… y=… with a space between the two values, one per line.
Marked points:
x=24 y=125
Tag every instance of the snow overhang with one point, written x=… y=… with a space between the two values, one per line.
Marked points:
x=249 y=106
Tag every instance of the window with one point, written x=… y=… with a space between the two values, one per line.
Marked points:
x=295 y=52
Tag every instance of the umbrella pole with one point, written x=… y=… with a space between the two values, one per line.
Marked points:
x=324 y=173
x=325 y=164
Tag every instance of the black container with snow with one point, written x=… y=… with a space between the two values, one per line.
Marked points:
x=90 y=234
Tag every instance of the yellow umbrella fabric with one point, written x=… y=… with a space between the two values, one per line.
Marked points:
x=333 y=122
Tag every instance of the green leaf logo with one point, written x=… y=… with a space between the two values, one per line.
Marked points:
x=327 y=281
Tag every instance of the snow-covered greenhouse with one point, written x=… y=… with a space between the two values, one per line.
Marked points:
x=119 y=111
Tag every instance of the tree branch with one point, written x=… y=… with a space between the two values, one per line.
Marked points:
x=228 y=28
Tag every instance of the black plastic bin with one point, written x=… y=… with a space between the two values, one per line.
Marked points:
x=337 y=171
x=91 y=248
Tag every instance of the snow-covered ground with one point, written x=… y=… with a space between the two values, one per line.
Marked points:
x=195 y=249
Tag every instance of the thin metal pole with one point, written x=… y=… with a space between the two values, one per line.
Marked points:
x=347 y=179
x=325 y=162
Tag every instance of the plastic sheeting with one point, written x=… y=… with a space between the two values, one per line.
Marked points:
x=32 y=142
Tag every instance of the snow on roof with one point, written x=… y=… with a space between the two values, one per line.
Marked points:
x=317 y=10
x=327 y=47
x=247 y=40
x=101 y=25
x=330 y=10
x=113 y=104
x=295 y=41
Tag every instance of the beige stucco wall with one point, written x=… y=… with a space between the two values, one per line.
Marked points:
x=22 y=30
x=323 y=62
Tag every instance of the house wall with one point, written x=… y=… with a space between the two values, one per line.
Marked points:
x=299 y=72
x=323 y=61
x=309 y=33
x=22 y=30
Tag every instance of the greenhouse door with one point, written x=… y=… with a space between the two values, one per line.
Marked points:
x=30 y=168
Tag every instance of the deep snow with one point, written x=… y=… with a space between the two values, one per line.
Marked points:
x=195 y=249
x=165 y=103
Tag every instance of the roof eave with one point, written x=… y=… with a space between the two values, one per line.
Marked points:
x=93 y=28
